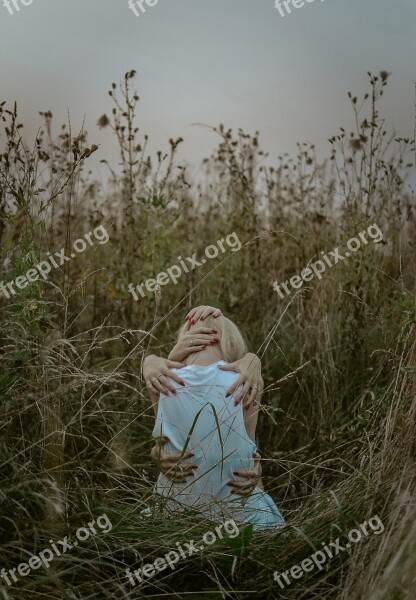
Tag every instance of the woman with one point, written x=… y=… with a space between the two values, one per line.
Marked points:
x=201 y=420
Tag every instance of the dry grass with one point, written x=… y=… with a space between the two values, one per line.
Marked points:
x=337 y=428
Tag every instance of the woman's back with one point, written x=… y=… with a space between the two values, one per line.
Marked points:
x=200 y=419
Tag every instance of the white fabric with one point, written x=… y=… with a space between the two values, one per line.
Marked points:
x=200 y=419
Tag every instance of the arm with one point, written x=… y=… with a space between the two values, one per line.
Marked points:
x=251 y=415
x=250 y=479
x=156 y=372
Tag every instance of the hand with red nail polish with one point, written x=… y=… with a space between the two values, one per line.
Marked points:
x=250 y=380
x=173 y=465
x=195 y=340
x=251 y=479
x=158 y=374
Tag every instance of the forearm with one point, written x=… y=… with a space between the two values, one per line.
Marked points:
x=155 y=401
x=251 y=416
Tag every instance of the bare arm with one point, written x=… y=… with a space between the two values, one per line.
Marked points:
x=251 y=415
x=157 y=374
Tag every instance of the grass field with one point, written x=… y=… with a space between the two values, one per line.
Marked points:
x=337 y=428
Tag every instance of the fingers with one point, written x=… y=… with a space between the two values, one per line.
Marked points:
x=202 y=312
x=242 y=488
x=198 y=339
x=202 y=330
x=178 y=477
x=210 y=310
x=243 y=393
x=198 y=314
x=172 y=465
x=203 y=340
x=194 y=314
x=230 y=367
x=172 y=375
x=252 y=478
x=172 y=364
x=253 y=474
x=235 y=385
x=176 y=470
x=155 y=383
x=256 y=399
x=253 y=396
x=167 y=385
x=190 y=314
x=152 y=388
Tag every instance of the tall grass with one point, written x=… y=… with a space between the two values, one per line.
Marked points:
x=337 y=424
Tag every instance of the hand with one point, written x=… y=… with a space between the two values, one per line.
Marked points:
x=253 y=479
x=170 y=464
x=156 y=371
x=201 y=312
x=250 y=378
x=193 y=341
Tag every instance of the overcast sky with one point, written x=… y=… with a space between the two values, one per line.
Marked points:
x=232 y=61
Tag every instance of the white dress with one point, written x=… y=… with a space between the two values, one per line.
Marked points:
x=200 y=419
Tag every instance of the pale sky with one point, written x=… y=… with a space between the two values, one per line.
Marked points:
x=236 y=62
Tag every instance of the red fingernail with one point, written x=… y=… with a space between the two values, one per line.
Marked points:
x=227 y=394
x=235 y=402
x=214 y=331
x=182 y=383
x=202 y=318
x=203 y=347
x=192 y=322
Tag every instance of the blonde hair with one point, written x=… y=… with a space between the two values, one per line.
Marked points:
x=232 y=344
